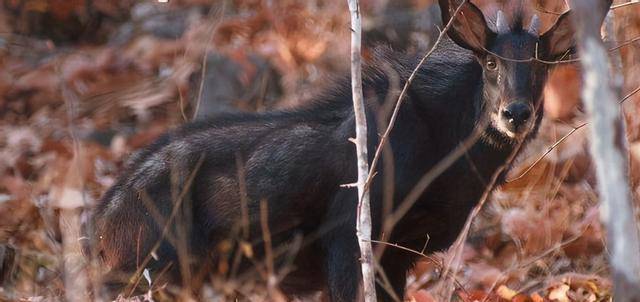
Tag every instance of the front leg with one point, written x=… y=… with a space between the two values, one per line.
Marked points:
x=342 y=257
x=344 y=272
x=340 y=248
x=395 y=264
x=342 y=264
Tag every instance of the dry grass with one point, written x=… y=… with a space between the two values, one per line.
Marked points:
x=71 y=114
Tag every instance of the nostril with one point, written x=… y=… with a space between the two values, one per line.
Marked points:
x=516 y=113
x=507 y=114
x=525 y=114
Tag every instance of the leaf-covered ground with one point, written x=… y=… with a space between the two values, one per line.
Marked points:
x=83 y=84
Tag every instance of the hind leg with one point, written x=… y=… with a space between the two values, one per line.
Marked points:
x=127 y=240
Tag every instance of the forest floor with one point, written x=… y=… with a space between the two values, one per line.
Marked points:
x=83 y=84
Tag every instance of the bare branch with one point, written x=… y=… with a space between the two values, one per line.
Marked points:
x=456 y=248
x=363 y=223
x=211 y=30
x=549 y=149
x=632 y=2
x=626 y=97
x=608 y=150
x=435 y=261
x=403 y=93
x=562 y=139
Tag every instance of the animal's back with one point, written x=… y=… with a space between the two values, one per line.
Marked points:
x=293 y=160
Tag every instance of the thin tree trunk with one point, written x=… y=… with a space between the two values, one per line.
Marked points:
x=363 y=223
x=608 y=149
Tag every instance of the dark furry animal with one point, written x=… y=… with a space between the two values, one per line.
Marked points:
x=195 y=179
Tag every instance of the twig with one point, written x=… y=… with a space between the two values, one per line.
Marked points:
x=431 y=175
x=211 y=32
x=405 y=88
x=363 y=222
x=535 y=258
x=74 y=269
x=549 y=149
x=543 y=10
x=385 y=284
x=272 y=281
x=625 y=43
x=245 y=227
x=625 y=4
x=626 y=97
x=441 y=166
x=203 y=72
x=165 y=231
x=608 y=150
x=561 y=60
x=456 y=249
x=558 y=142
x=432 y=259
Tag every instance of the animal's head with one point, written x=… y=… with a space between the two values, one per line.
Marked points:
x=513 y=80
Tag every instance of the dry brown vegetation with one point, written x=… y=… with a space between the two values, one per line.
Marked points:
x=83 y=84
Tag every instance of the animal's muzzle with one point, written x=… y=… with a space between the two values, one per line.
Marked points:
x=516 y=115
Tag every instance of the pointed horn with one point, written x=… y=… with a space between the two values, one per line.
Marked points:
x=534 y=26
x=501 y=23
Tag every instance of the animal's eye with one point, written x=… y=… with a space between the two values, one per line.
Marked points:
x=491 y=64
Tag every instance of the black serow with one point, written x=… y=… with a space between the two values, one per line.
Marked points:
x=297 y=160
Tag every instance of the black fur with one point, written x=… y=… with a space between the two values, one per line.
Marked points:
x=297 y=160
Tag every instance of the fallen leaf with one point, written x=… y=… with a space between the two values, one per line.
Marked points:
x=560 y=293
x=421 y=296
x=505 y=292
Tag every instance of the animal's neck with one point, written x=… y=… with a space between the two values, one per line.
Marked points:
x=451 y=120
x=491 y=150
x=486 y=159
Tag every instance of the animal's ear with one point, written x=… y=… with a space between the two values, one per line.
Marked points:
x=469 y=28
x=560 y=39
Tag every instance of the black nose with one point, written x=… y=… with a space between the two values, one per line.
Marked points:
x=516 y=114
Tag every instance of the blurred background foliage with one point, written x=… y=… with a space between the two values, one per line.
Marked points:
x=84 y=83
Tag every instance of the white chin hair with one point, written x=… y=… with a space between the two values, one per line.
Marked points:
x=500 y=126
